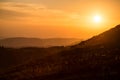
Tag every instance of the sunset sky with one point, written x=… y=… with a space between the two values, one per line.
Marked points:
x=57 y=18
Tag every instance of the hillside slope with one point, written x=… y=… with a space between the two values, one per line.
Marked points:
x=107 y=38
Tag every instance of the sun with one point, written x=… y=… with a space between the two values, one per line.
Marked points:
x=97 y=19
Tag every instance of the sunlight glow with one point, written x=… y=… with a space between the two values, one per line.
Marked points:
x=97 y=19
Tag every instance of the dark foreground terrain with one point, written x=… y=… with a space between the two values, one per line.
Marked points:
x=95 y=59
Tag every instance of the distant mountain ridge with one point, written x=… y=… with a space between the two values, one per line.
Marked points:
x=19 y=42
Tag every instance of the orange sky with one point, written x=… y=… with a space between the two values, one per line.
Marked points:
x=57 y=18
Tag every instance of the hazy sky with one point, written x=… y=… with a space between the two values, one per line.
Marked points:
x=57 y=18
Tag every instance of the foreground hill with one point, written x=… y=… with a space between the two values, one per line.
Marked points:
x=36 y=42
x=10 y=57
x=95 y=59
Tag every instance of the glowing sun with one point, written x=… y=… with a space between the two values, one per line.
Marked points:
x=97 y=19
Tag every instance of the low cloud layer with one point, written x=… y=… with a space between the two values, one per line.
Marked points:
x=33 y=11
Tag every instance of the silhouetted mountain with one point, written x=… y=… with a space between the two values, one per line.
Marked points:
x=108 y=38
x=36 y=42
x=97 y=58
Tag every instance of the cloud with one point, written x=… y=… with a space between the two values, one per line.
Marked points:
x=33 y=13
x=20 y=6
x=18 y=9
x=26 y=8
x=7 y=14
